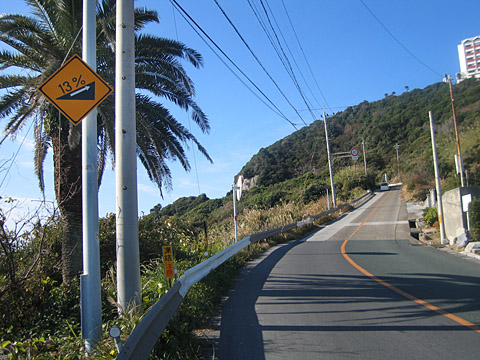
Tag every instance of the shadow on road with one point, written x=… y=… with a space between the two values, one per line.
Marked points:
x=306 y=303
x=241 y=336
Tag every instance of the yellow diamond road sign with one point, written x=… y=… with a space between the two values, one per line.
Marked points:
x=75 y=89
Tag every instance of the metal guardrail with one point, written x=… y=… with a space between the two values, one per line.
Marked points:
x=142 y=339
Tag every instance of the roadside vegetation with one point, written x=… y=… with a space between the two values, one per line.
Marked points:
x=40 y=315
x=397 y=119
x=39 y=286
x=36 y=45
x=474 y=211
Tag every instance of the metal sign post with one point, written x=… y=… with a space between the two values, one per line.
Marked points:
x=91 y=301
x=75 y=89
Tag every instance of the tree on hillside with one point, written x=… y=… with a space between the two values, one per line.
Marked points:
x=37 y=47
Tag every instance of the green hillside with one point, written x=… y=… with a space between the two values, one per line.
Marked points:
x=401 y=119
x=41 y=316
x=296 y=169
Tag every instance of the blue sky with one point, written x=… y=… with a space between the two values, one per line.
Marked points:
x=353 y=55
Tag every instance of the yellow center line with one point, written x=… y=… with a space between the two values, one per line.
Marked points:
x=394 y=288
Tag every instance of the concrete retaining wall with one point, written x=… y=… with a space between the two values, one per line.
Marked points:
x=454 y=218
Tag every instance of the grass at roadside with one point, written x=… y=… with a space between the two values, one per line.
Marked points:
x=59 y=337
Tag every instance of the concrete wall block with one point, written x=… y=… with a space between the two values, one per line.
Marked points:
x=453 y=216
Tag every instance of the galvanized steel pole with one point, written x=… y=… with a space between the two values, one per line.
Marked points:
x=437 y=181
x=91 y=304
x=128 y=259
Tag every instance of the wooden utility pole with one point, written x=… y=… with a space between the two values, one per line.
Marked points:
x=459 y=153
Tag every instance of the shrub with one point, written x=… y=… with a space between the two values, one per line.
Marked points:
x=474 y=212
x=430 y=216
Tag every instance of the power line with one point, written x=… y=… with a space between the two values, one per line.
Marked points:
x=189 y=120
x=277 y=46
x=194 y=25
x=258 y=60
x=398 y=41
x=16 y=154
x=304 y=56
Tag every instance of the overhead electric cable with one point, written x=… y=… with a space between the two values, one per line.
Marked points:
x=277 y=48
x=258 y=60
x=288 y=67
x=398 y=41
x=304 y=56
x=189 y=120
x=283 y=56
x=293 y=57
x=191 y=21
x=16 y=154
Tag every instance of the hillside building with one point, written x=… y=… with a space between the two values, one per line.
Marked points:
x=469 y=56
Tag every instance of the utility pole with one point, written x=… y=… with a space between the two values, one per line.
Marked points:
x=234 y=191
x=128 y=259
x=364 y=156
x=396 y=146
x=334 y=198
x=437 y=181
x=90 y=286
x=448 y=79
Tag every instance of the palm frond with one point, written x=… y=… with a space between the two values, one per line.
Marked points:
x=102 y=152
x=17 y=121
x=11 y=101
x=8 y=59
x=40 y=43
x=28 y=37
x=41 y=9
x=40 y=153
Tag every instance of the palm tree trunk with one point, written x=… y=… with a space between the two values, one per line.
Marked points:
x=68 y=190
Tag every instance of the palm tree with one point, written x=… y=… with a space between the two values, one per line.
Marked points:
x=39 y=45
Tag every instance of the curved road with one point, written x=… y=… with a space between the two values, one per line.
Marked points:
x=356 y=289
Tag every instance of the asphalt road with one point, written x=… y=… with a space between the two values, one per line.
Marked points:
x=356 y=289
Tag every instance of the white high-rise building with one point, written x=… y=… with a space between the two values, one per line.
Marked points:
x=469 y=56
